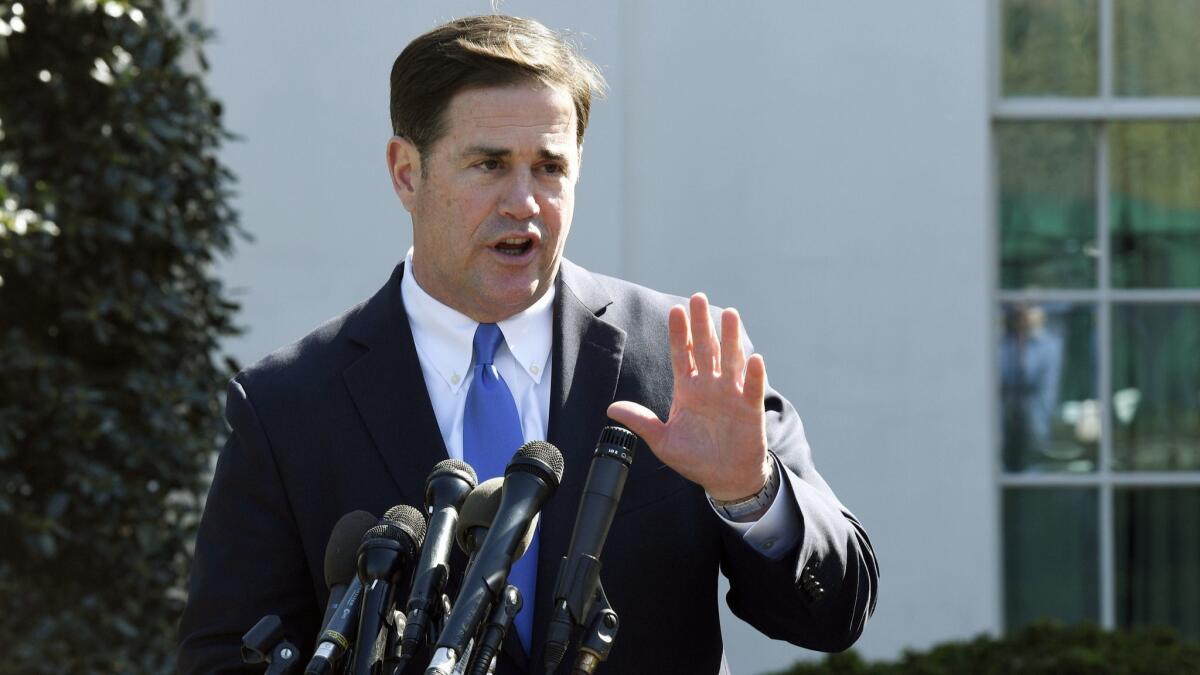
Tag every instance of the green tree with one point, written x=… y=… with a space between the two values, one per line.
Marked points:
x=113 y=207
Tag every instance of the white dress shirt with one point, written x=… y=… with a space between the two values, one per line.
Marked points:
x=444 y=340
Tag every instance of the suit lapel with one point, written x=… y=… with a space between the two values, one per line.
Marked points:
x=587 y=355
x=388 y=389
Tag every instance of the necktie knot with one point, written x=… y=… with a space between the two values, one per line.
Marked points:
x=487 y=339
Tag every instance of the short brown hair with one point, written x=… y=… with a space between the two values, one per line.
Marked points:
x=483 y=51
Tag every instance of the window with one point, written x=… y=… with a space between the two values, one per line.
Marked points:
x=1097 y=163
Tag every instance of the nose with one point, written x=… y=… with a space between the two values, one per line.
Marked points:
x=520 y=200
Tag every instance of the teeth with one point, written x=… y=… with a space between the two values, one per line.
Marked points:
x=514 y=241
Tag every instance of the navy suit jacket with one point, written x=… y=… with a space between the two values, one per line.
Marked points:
x=341 y=420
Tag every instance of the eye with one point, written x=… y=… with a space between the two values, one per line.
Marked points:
x=554 y=169
x=490 y=164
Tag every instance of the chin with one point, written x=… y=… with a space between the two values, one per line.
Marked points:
x=514 y=302
x=511 y=301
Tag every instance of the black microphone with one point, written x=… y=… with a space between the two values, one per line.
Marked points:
x=530 y=479
x=447 y=487
x=345 y=591
x=579 y=572
x=383 y=558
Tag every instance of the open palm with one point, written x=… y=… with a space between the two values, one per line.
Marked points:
x=715 y=433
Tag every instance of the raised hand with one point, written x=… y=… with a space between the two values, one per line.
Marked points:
x=715 y=434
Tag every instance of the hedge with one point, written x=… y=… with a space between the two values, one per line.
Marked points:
x=113 y=209
x=1038 y=649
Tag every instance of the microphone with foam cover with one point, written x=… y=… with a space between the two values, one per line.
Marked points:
x=447 y=487
x=383 y=560
x=476 y=518
x=345 y=591
x=341 y=556
x=531 y=478
x=476 y=514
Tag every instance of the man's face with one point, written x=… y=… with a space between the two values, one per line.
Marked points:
x=492 y=209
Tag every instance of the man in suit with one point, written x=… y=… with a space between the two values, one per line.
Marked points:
x=489 y=115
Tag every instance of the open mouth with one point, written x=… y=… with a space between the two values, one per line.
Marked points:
x=515 y=246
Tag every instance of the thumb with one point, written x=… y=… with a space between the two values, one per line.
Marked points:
x=640 y=420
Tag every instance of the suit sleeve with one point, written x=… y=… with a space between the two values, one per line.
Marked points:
x=821 y=593
x=249 y=561
x=775 y=533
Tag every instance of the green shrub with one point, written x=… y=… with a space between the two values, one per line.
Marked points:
x=112 y=208
x=1039 y=649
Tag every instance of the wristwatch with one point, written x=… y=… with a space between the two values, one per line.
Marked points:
x=748 y=508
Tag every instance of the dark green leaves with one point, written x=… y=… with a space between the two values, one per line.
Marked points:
x=113 y=206
x=1039 y=649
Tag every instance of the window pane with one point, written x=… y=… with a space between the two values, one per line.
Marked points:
x=1048 y=391
x=1156 y=204
x=1157 y=47
x=1158 y=558
x=1047 y=205
x=1049 y=47
x=1050 y=555
x=1156 y=387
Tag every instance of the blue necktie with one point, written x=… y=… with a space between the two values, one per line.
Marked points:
x=491 y=435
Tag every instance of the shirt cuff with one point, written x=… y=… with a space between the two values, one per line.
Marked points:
x=777 y=530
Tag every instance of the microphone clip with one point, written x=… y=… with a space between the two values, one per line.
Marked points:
x=597 y=642
x=265 y=643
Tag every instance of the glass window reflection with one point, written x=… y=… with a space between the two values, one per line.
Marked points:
x=1051 y=418
x=1156 y=387
x=1051 y=554
x=1047 y=205
x=1155 y=197
x=1157 y=44
x=1050 y=47
x=1158 y=558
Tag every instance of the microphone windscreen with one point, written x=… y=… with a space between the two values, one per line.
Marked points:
x=385 y=530
x=454 y=467
x=527 y=539
x=409 y=520
x=543 y=453
x=618 y=436
x=479 y=509
x=341 y=553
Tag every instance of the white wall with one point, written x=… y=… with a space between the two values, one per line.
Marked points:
x=820 y=165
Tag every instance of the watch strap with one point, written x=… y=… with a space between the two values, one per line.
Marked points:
x=748 y=508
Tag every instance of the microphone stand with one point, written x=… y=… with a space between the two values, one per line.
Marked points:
x=264 y=643
x=399 y=657
x=493 y=633
x=395 y=622
x=597 y=641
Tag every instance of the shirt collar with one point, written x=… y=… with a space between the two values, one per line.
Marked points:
x=445 y=336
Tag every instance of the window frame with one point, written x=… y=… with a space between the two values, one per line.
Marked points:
x=1102 y=109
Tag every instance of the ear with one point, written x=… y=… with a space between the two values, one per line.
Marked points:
x=404 y=166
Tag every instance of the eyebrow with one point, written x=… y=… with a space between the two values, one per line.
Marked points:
x=494 y=152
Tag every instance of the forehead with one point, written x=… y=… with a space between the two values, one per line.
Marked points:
x=517 y=115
